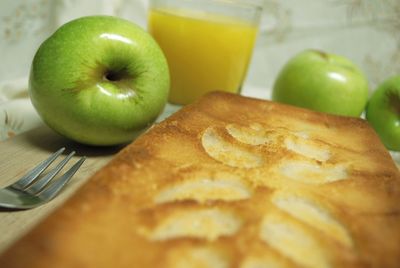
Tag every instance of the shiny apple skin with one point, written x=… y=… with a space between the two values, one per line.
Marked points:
x=322 y=82
x=383 y=112
x=99 y=80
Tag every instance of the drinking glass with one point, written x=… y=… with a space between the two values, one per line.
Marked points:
x=207 y=43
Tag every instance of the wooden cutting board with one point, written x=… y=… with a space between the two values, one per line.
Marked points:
x=21 y=153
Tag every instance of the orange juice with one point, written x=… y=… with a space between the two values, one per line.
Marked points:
x=205 y=52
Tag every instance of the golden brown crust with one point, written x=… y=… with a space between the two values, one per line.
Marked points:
x=231 y=182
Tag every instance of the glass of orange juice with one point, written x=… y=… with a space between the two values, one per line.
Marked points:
x=207 y=43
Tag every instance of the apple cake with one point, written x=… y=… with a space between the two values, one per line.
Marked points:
x=231 y=181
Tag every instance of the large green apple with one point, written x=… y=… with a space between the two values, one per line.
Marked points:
x=99 y=80
x=383 y=112
x=322 y=82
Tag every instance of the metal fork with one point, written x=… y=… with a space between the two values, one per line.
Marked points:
x=31 y=190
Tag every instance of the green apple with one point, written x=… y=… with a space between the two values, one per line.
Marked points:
x=383 y=112
x=99 y=80
x=322 y=82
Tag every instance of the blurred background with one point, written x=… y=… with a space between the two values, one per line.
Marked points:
x=365 y=31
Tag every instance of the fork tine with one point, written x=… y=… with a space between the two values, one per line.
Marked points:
x=39 y=184
x=32 y=175
x=58 y=185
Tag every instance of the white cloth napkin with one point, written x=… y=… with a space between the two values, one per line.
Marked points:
x=17 y=114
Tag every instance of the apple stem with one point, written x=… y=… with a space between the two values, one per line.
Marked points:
x=115 y=75
x=111 y=76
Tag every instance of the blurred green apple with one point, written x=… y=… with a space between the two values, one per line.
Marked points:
x=322 y=82
x=99 y=80
x=383 y=112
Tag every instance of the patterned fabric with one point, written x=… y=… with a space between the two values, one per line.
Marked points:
x=366 y=31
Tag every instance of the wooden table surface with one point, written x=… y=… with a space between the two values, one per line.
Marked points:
x=21 y=153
